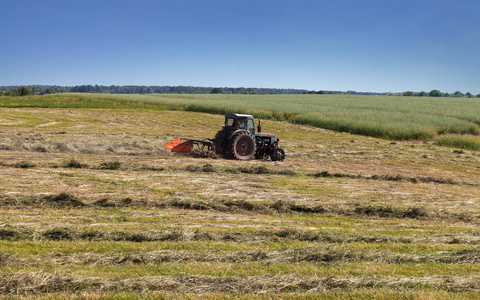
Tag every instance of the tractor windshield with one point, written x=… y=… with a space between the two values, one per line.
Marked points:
x=241 y=124
x=251 y=126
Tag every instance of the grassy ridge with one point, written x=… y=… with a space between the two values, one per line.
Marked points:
x=390 y=117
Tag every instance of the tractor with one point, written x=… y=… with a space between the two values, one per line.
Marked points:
x=237 y=140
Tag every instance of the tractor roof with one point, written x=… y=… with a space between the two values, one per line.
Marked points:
x=239 y=116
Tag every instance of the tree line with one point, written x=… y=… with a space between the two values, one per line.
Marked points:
x=136 y=89
x=437 y=93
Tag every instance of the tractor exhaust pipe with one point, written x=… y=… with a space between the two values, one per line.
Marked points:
x=259 y=126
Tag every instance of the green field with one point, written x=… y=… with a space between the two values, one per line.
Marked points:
x=389 y=117
x=92 y=207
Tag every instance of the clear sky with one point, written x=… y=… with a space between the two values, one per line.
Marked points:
x=361 y=45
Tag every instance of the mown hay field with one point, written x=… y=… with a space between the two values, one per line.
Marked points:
x=92 y=206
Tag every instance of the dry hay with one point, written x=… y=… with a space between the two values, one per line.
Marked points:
x=44 y=282
x=327 y=254
x=68 y=200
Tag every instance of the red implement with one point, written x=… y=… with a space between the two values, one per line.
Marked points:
x=172 y=144
x=190 y=145
x=183 y=147
x=177 y=145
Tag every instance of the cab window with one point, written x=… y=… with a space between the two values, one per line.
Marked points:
x=251 y=124
x=229 y=122
x=241 y=124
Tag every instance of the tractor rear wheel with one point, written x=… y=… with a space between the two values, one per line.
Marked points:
x=242 y=146
x=277 y=154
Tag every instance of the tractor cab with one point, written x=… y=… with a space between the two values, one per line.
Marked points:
x=234 y=122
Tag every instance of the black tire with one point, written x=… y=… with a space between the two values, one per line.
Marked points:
x=220 y=142
x=277 y=154
x=242 y=146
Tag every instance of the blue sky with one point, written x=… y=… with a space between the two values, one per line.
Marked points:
x=363 y=45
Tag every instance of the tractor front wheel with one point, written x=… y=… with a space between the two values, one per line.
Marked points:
x=277 y=154
x=242 y=146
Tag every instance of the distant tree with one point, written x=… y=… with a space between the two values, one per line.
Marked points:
x=51 y=90
x=446 y=95
x=408 y=94
x=216 y=91
x=422 y=94
x=142 y=90
x=469 y=95
x=435 y=93
x=24 y=91
x=458 y=94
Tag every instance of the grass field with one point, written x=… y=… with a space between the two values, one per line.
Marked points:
x=388 y=117
x=91 y=206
